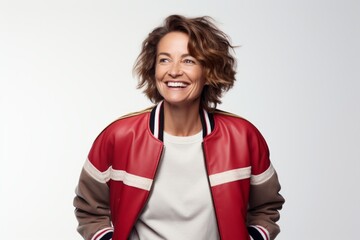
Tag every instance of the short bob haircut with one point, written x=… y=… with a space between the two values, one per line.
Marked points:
x=207 y=43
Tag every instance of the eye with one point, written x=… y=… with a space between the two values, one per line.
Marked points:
x=163 y=60
x=189 y=61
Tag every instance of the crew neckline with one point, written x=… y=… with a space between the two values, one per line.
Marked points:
x=183 y=139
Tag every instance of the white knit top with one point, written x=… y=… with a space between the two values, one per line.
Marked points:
x=180 y=206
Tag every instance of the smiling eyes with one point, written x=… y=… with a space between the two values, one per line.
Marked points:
x=188 y=61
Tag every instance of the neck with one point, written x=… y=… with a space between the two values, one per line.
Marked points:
x=182 y=121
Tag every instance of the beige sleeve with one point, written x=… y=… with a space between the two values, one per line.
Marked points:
x=264 y=205
x=91 y=205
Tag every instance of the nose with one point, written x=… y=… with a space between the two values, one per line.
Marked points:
x=175 y=70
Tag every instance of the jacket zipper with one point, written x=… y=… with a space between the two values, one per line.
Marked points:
x=208 y=180
x=150 y=191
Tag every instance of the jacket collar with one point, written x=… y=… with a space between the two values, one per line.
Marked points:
x=157 y=121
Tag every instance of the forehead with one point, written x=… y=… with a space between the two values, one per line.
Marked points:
x=173 y=41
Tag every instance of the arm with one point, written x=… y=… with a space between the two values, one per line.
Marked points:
x=264 y=200
x=92 y=208
x=92 y=203
x=264 y=205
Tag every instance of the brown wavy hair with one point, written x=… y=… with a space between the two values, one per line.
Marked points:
x=207 y=43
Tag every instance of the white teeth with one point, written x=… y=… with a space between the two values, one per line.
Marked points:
x=176 y=84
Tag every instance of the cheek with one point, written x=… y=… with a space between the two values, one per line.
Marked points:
x=156 y=73
x=158 y=84
x=159 y=73
x=199 y=72
x=200 y=78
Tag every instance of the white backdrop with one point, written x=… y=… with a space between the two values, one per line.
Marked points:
x=66 y=72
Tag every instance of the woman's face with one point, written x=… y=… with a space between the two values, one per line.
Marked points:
x=179 y=76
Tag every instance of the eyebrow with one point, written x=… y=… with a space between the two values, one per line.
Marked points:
x=169 y=55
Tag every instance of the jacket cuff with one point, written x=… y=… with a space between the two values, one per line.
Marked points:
x=258 y=233
x=103 y=234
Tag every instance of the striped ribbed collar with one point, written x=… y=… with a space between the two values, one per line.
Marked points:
x=157 y=121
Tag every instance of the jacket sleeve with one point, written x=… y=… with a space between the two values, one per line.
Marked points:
x=91 y=201
x=92 y=208
x=265 y=200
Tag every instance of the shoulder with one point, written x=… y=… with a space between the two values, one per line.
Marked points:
x=231 y=119
x=235 y=124
x=239 y=130
x=128 y=122
x=135 y=114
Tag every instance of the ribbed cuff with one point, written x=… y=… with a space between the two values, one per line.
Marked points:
x=103 y=234
x=257 y=232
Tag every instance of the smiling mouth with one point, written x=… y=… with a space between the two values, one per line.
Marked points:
x=176 y=84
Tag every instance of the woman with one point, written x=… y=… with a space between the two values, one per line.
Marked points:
x=181 y=169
